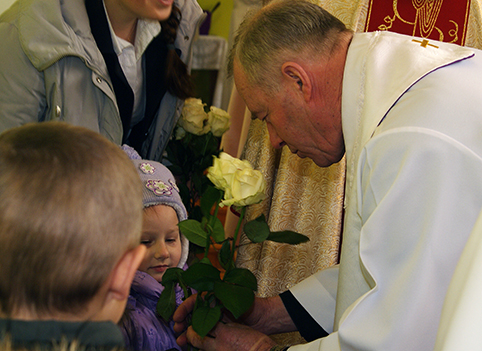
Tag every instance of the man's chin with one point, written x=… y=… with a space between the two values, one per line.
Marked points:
x=320 y=161
x=325 y=162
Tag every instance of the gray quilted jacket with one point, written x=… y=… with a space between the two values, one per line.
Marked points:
x=51 y=69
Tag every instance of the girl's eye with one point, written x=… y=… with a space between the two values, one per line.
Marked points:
x=146 y=242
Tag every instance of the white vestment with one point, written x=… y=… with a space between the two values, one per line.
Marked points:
x=461 y=319
x=412 y=124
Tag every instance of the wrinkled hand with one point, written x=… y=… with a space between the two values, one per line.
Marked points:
x=182 y=312
x=230 y=336
x=266 y=316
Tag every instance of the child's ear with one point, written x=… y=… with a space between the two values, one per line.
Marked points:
x=124 y=271
x=119 y=284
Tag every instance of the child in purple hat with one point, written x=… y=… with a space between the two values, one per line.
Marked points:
x=143 y=329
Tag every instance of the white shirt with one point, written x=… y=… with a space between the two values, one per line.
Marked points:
x=131 y=60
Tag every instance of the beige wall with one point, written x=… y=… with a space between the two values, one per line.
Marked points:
x=5 y=4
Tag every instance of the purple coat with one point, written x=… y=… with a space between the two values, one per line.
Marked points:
x=142 y=328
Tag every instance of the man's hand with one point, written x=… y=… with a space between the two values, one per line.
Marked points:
x=182 y=312
x=267 y=315
x=230 y=336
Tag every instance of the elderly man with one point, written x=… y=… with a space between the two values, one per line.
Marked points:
x=408 y=114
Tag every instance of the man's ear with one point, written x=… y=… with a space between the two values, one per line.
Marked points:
x=297 y=75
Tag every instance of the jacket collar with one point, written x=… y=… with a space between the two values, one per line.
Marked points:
x=90 y=334
x=51 y=29
x=146 y=288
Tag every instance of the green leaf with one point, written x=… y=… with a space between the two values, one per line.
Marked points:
x=224 y=256
x=193 y=231
x=205 y=260
x=201 y=276
x=243 y=277
x=236 y=299
x=172 y=275
x=288 y=237
x=210 y=197
x=204 y=318
x=218 y=231
x=166 y=305
x=257 y=230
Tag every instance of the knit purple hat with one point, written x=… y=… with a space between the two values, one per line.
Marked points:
x=159 y=188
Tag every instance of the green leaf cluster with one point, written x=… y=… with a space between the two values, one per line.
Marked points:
x=235 y=290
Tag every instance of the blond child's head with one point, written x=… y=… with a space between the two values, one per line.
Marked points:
x=70 y=223
x=163 y=209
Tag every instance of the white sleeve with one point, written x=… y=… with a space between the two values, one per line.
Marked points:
x=320 y=305
x=419 y=195
x=461 y=319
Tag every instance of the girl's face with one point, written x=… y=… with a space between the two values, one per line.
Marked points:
x=161 y=236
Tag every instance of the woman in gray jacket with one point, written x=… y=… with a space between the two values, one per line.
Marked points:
x=119 y=67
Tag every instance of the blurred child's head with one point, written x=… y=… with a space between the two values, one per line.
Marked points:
x=70 y=223
x=163 y=210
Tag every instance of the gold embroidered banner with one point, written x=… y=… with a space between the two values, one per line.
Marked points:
x=432 y=19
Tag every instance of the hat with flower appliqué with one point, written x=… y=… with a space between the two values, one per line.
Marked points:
x=159 y=188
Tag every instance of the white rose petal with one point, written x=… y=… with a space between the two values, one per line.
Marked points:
x=193 y=117
x=219 y=120
x=242 y=185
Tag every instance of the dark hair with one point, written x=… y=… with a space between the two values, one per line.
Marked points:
x=178 y=80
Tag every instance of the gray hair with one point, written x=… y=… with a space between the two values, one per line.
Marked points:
x=279 y=32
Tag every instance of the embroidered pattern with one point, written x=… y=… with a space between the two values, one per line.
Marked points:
x=159 y=188
x=429 y=19
x=173 y=184
x=146 y=168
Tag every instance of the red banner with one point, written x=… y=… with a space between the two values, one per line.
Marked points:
x=432 y=19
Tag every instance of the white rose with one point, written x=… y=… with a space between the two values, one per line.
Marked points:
x=248 y=187
x=219 y=120
x=193 y=117
x=242 y=185
x=223 y=169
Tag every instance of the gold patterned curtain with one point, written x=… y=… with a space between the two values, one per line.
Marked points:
x=308 y=199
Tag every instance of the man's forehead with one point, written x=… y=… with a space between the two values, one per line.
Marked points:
x=239 y=76
x=246 y=90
